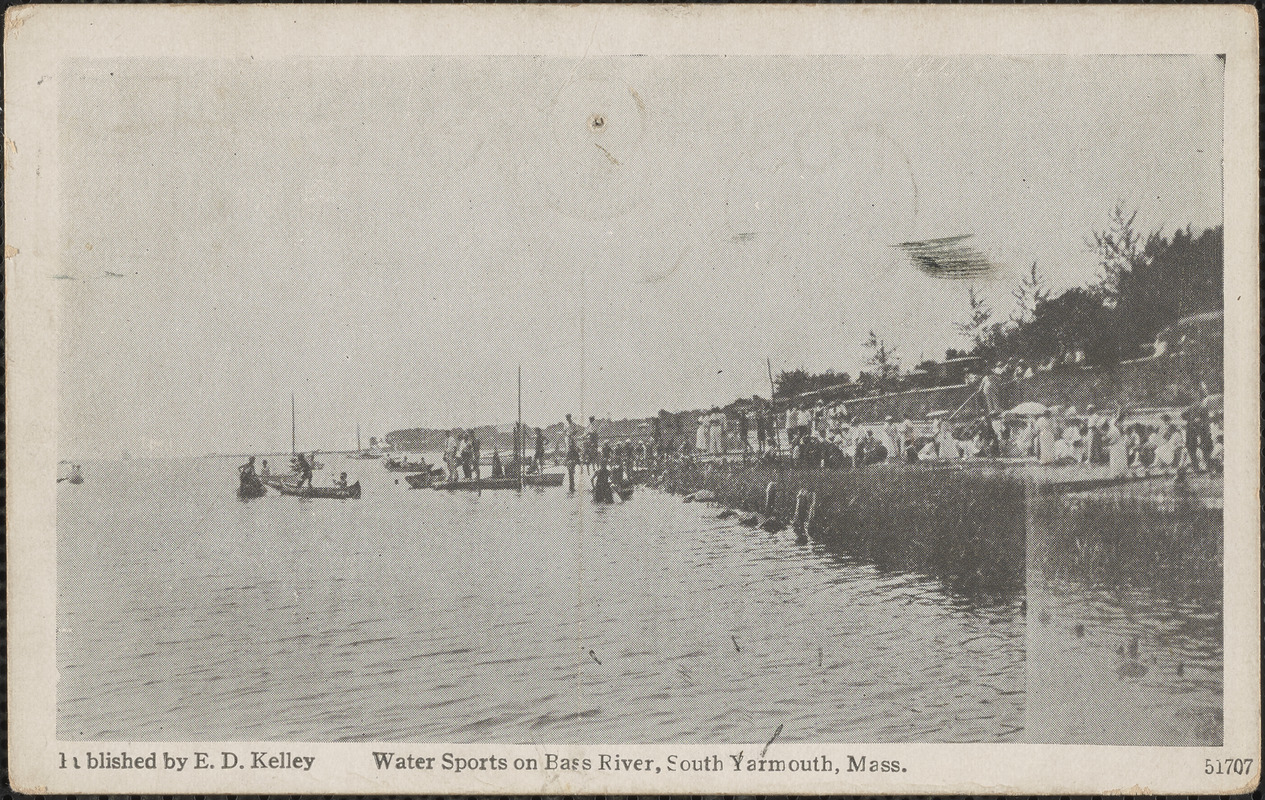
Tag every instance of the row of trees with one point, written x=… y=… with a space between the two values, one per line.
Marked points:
x=1146 y=283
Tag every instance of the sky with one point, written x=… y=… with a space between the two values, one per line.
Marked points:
x=390 y=239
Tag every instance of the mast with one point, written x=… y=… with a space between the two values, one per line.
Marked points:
x=292 y=448
x=357 y=437
x=519 y=437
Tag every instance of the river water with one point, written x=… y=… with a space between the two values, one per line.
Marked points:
x=1123 y=666
x=415 y=615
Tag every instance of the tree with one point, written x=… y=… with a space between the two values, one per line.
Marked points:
x=1030 y=291
x=1120 y=250
x=884 y=359
x=978 y=327
x=1180 y=277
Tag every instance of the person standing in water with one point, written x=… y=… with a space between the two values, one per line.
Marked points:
x=601 y=482
x=573 y=459
x=540 y=450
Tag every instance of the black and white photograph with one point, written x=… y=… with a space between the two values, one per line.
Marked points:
x=532 y=419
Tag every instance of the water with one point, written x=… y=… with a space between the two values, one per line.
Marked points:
x=1085 y=686
x=415 y=615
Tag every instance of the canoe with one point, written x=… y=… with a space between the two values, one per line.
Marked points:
x=276 y=480
x=332 y=492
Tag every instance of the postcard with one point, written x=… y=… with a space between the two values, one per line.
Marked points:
x=632 y=399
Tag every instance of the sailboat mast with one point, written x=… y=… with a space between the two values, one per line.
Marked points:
x=357 y=437
x=521 y=438
x=292 y=440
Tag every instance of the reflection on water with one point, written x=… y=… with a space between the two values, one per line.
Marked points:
x=414 y=615
x=1123 y=666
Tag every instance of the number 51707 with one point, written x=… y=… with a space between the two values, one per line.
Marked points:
x=1227 y=766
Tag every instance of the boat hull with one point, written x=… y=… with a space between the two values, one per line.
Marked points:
x=421 y=480
x=322 y=492
x=548 y=479
x=277 y=481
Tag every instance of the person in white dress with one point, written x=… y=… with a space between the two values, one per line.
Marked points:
x=1045 y=439
x=948 y=442
x=718 y=432
x=1117 y=449
x=701 y=437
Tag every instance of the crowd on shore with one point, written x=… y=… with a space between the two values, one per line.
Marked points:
x=825 y=436
x=820 y=435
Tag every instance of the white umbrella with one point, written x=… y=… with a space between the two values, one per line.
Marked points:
x=1028 y=409
x=1214 y=402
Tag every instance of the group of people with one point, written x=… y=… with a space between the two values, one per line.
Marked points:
x=586 y=447
x=301 y=466
x=461 y=455
x=1069 y=437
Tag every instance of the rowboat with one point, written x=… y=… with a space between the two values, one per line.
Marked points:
x=351 y=492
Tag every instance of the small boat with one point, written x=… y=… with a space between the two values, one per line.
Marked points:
x=544 y=479
x=276 y=480
x=422 y=480
x=361 y=452
x=404 y=465
x=477 y=485
x=351 y=492
x=75 y=475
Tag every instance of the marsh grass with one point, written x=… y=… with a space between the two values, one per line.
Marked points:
x=966 y=529
x=1174 y=547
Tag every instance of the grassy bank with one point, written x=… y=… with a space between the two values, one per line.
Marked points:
x=966 y=529
x=1113 y=541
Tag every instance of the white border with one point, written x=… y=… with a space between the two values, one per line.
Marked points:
x=39 y=38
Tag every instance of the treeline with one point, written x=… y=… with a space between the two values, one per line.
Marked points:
x=1145 y=284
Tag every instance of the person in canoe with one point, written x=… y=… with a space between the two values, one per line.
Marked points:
x=304 y=468
x=247 y=470
x=341 y=483
x=601 y=481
